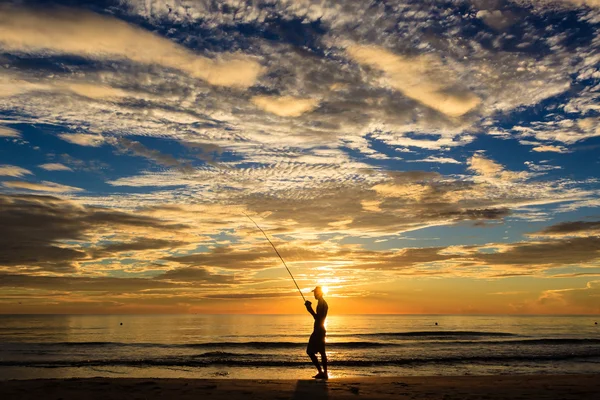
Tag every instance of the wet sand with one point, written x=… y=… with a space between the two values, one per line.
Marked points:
x=445 y=387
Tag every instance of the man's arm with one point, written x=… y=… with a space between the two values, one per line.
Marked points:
x=322 y=312
x=308 y=306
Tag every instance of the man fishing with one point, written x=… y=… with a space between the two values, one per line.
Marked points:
x=316 y=343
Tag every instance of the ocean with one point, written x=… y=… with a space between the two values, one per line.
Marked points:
x=273 y=346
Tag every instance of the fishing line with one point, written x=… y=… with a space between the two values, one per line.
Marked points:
x=281 y=258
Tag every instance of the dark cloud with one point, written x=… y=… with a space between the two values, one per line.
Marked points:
x=517 y=260
x=230 y=258
x=193 y=274
x=402 y=259
x=206 y=152
x=565 y=228
x=82 y=284
x=551 y=252
x=139 y=149
x=35 y=227
x=414 y=176
x=137 y=245
x=426 y=199
x=241 y=296
x=93 y=166
x=478 y=214
x=177 y=278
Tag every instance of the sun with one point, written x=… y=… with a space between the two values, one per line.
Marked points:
x=325 y=289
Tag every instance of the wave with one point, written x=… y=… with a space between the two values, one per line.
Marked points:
x=231 y=361
x=258 y=345
x=225 y=354
x=432 y=334
x=558 y=341
x=297 y=345
x=291 y=345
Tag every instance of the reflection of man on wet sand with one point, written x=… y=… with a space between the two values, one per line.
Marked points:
x=316 y=343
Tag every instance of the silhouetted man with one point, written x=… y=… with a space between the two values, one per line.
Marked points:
x=316 y=343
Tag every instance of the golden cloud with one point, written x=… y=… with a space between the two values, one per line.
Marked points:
x=12 y=86
x=371 y=205
x=491 y=170
x=54 y=167
x=285 y=106
x=45 y=186
x=82 y=139
x=14 y=171
x=589 y=3
x=422 y=78
x=579 y=300
x=71 y=31
x=9 y=132
x=410 y=191
x=549 y=148
x=96 y=92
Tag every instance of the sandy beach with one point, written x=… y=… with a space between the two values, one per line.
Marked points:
x=447 y=388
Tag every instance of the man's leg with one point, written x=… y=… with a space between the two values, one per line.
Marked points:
x=324 y=361
x=315 y=361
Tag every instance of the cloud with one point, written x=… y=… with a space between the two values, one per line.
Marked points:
x=409 y=190
x=139 y=149
x=230 y=258
x=572 y=228
x=82 y=284
x=549 y=148
x=491 y=170
x=560 y=252
x=45 y=186
x=542 y=167
x=419 y=78
x=192 y=274
x=46 y=234
x=371 y=205
x=83 y=139
x=241 y=296
x=136 y=245
x=285 y=106
x=589 y=3
x=497 y=19
x=578 y=300
x=35 y=229
x=440 y=160
x=522 y=258
x=55 y=167
x=9 y=132
x=13 y=85
x=94 y=91
x=561 y=129
x=14 y=171
x=107 y=38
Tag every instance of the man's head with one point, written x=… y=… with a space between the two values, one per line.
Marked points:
x=318 y=292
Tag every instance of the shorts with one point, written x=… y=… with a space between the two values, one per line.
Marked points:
x=316 y=343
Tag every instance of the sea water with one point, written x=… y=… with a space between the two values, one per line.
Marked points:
x=273 y=346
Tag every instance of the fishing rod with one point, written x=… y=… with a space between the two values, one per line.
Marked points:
x=275 y=248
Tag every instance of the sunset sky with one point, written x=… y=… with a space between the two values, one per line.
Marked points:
x=411 y=156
